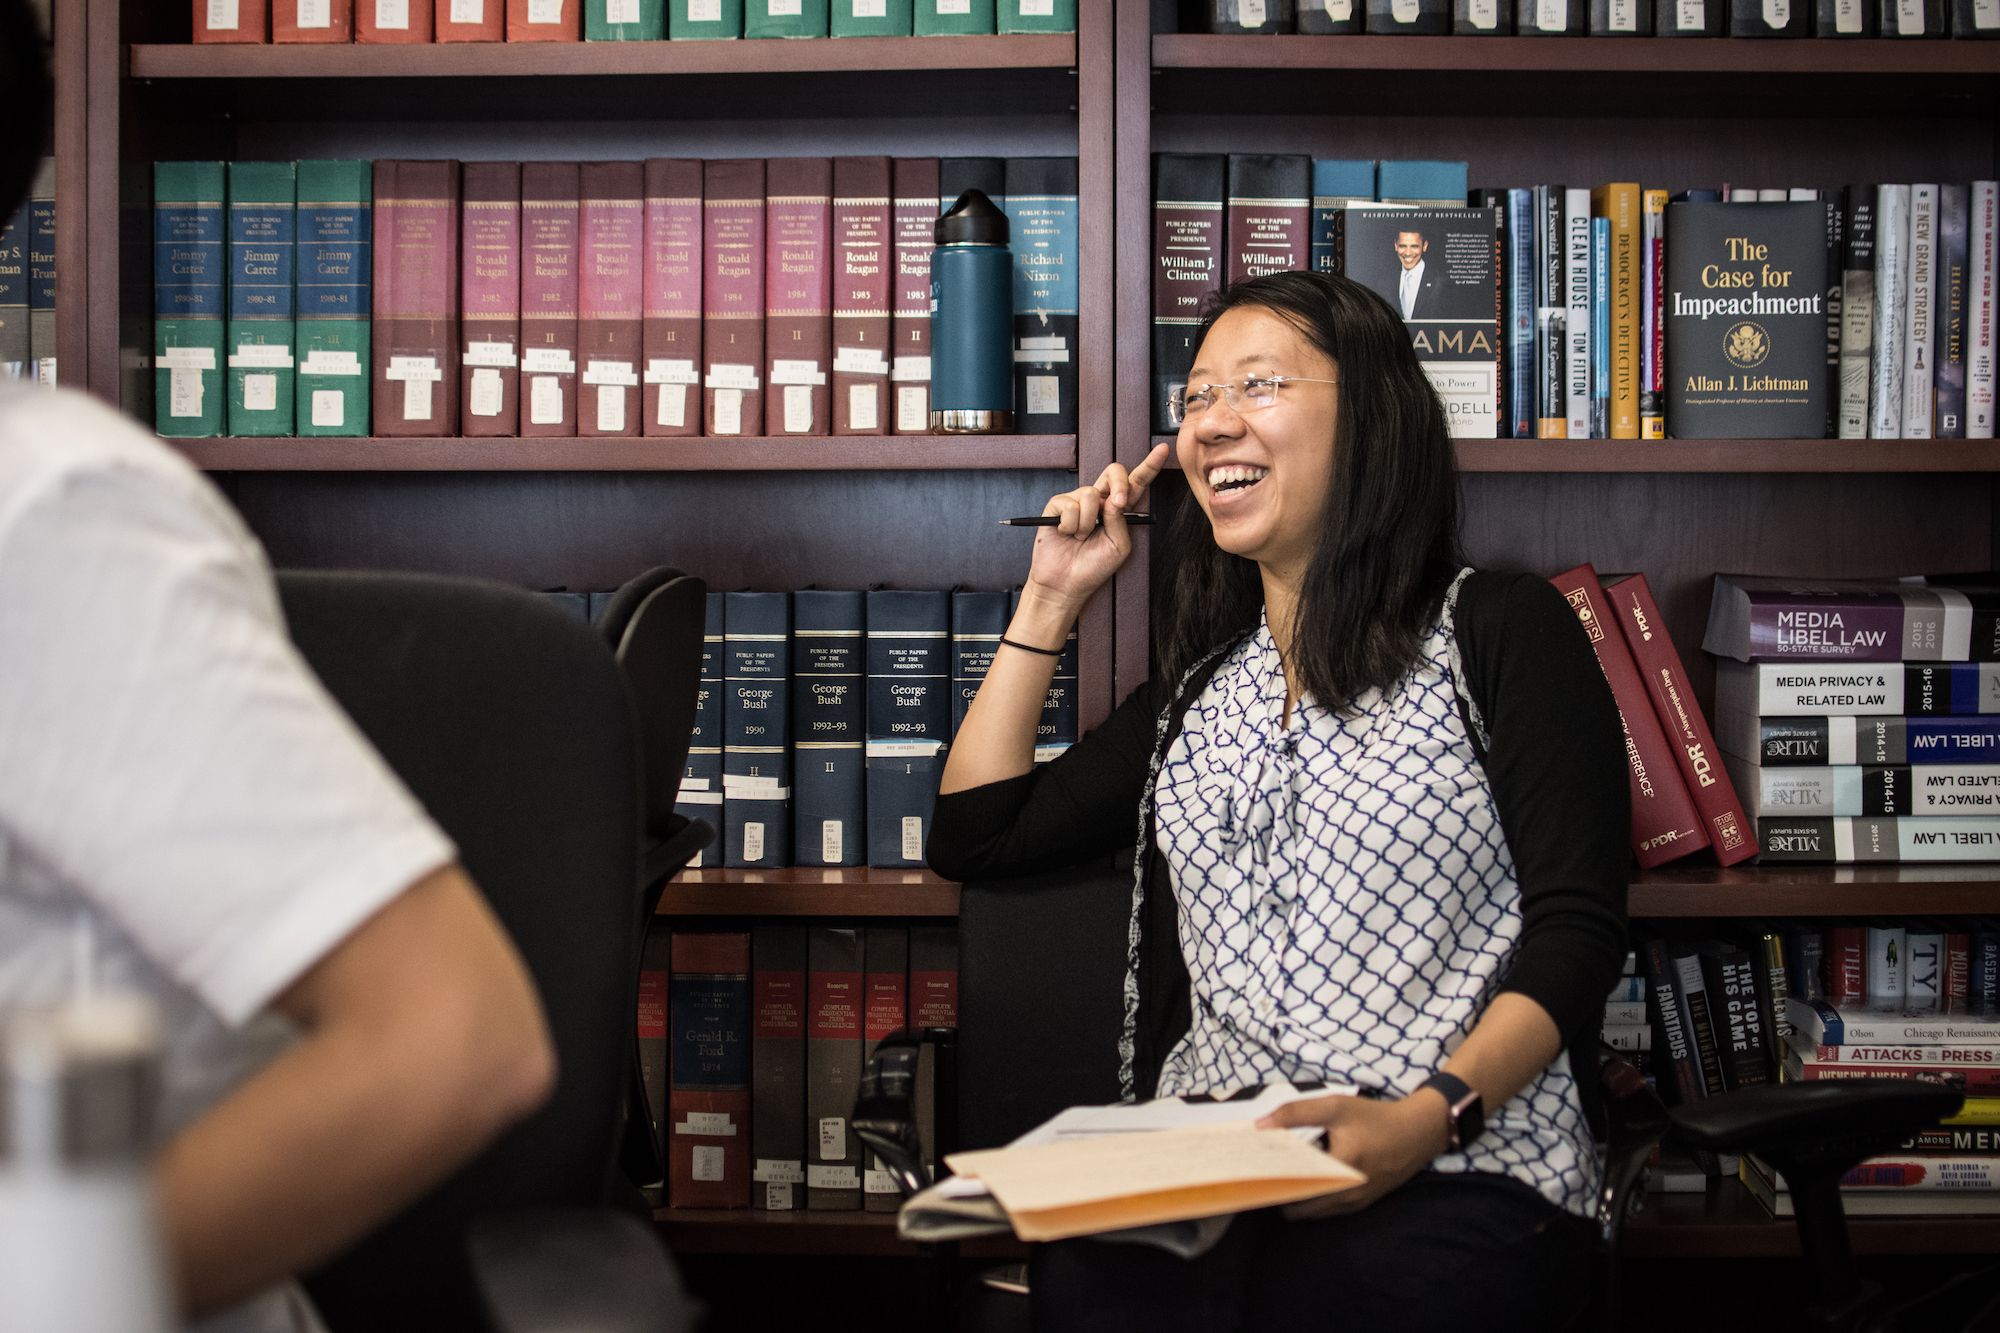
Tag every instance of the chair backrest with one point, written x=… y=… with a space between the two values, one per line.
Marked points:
x=659 y=650
x=512 y=724
x=625 y=601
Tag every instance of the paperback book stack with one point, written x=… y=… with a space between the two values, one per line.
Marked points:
x=1861 y=720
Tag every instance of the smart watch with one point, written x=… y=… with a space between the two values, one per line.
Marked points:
x=1466 y=1112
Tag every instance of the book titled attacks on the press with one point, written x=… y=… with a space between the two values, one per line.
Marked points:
x=1439 y=269
x=1746 y=321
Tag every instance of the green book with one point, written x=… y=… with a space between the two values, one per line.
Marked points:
x=263 y=234
x=951 y=18
x=335 y=273
x=872 y=18
x=785 y=18
x=624 y=20
x=1037 y=16
x=190 y=254
x=704 y=20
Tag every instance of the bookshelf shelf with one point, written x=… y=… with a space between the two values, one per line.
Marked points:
x=687 y=454
x=1663 y=55
x=809 y=891
x=1697 y=456
x=1729 y=1222
x=1796 y=890
x=747 y=1231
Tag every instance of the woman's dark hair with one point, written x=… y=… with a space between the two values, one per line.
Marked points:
x=24 y=102
x=1388 y=540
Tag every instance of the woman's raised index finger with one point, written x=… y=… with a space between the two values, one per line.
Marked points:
x=1154 y=464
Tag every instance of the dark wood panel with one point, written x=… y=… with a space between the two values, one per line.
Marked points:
x=1728 y=1221
x=1134 y=307
x=1096 y=350
x=71 y=138
x=1695 y=890
x=1628 y=56
x=720 y=454
x=809 y=891
x=1718 y=455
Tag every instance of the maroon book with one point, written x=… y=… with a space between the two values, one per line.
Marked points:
x=490 y=299
x=550 y=203
x=608 y=327
x=708 y=1044
x=732 y=296
x=1844 y=966
x=414 y=328
x=798 y=293
x=862 y=247
x=1269 y=215
x=671 y=294
x=915 y=213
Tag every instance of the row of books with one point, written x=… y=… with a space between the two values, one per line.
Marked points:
x=671 y=297
x=28 y=284
x=752 y=1043
x=260 y=21
x=1607 y=18
x=825 y=717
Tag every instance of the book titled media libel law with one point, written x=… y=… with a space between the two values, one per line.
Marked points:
x=1825 y=740
x=829 y=723
x=335 y=265
x=732 y=296
x=708 y=1134
x=1746 y=321
x=909 y=719
x=863 y=249
x=756 y=734
x=1188 y=193
x=916 y=205
x=415 y=335
x=671 y=315
x=551 y=214
x=834 y=1026
x=778 y=1067
x=1855 y=620
x=490 y=293
x=798 y=293
x=611 y=279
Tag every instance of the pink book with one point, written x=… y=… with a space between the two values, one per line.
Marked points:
x=916 y=213
x=415 y=320
x=798 y=293
x=732 y=296
x=863 y=261
x=550 y=193
x=613 y=267
x=672 y=297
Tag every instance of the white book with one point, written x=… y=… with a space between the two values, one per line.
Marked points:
x=1920 y=315
x=1984 y=260
x=1771 y=196
x=1892 y=290
x=1576 y=272
x=1822 y=791
x=1802 y=194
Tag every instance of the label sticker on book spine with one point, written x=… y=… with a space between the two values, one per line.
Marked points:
x=673 y=405
x=1777 y=13
x=833 y=1178
x=490 y=354
x=468 y=11
x=871 y=9
x=861 y=407
x=704 y=11
x=1044 y=393
x=913 y=838
x=1551 y=15
x=1249 y=13
x=611 y=407
x=270 y=355
x=829 y=841
x=319 y=361
x=222 y=15
x=1046 y=9
x=913 y=409
x=954 y=7
x=798 y=408
x=660 y=371
x=753 y=842
x=777 y=1198
x=186 y=358
x=1985 y=14
x=832 y=1138
x=486 y=395
x=1624 y=16
x=315 y=14
x=911 y=369
x=707 y=1161
x=609 y=372
x=329 y=407
x=796 y=372
x=715 y=1124
x=1484 y=13
x=183 y=391
x=621 y=11
x=1340 y=11
x=1691 y=15
x=417 y=400
x=545 y=11
x=1403 y=11
x=724 y=375
x=1909 y=18
x=260 y=393
x=783 y=9
x=545 y=405
x=881 y=1182
x=729 y=411
x=859 y=361
x=779 y=1171
x=547 y=361
x=392 y=14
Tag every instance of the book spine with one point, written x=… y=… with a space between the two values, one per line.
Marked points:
x=490 y=312
x=700 y=795
x=671 y=322
x=190 y=259
x=1691 y=989
x=1767 y=689
x=469 y=20
x=1773 y=991
x=1520 y=255
x=42 y=274
x=1552 y=18
x=312 y=21
x=778 y=1067
x=610 y=288
x=862 y=241
x=1653 y=336
x=1551 y=347
x=655 y=1001
x=708 y=1137
x=1767 y=18
x=1576 y=240
x=1923 y=971
x=544 y=20
x=909 y=719
x=14 y=343
x=756 y=806
x=1857 y=310
x=834 y=1009
x=978 y=619
x=1920 y=316
x=1972 y=1081
x=336 y=232
x=394 y=22
x=263 y=244
x=830 y=715
x=704 y=20
x=1845 y=966
x=886 y=986
x=1269 y=214
x=1600 y=328
x=1885 y=839
x=1187 y=264
x=933 y=1005
x=1952 y=310
x=415 y=328
x=232 y=21
x=1042 y=196
x=1679 y=713
x=1330 y=17
x=1414 y=17
x=808 y=18
x=1731 y=977
x=551 y=216
x=1912 y=18
x=624 y=20
x=1843 y=18
x=1665 y=823
x=1836 y=248
x=732 y=295
x=1957 y=986
x=1620 y=205
x=1892 y=294
x=915 y=214
x=1983 y=987
x=872 y=18
x=1983 y=288
x=798 y=293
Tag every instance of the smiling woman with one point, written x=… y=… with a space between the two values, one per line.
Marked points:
x=1382 y=824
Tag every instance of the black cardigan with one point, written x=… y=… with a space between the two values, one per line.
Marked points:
x=1556 y=763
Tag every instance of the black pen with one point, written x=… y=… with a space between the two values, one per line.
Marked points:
x=1054 y=520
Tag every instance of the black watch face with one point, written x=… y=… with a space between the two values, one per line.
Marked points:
x=1471 y=1122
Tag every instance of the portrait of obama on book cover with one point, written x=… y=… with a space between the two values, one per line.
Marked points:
x=1427 y=263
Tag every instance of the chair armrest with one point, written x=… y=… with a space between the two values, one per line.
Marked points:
x=559 y=1270
x=679 y=841
x=1774 y=1117
x=885 y=1113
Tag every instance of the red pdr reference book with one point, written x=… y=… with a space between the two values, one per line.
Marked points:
x=613 y=274
x=1665 y=824
x=550 y=203
x=732 y=296
x=490 y=296
x=415 y=322
x=671 y=314
x=1730 y=833
x=863 y=262
x=798 y=292
x=915 y=213
x=708 y=1129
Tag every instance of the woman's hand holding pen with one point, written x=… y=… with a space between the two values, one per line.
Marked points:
x=1078 y=556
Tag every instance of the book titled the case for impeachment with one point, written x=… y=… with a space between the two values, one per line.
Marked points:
x=1746 y=321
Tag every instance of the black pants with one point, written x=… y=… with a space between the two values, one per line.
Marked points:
x=1442 y=1252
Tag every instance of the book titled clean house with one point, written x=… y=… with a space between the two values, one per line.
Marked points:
x=490 y=293
x=829 y=727
x=863 y=280
x=798 y=293
x=700 y=795
x=778 y=1066
x=263 y=233
x=610 y=283
x=708 y=1134
x=671 y=294
x=915 y=181
x=415 y=334
x=1909 y=689
x=190 y=256
x=732 y=295
x=336 y=229
x=1042 y=213
x=834 y=1026
x=551 y=209
x=756 y=703
x=1188 y=192
x=909 y=719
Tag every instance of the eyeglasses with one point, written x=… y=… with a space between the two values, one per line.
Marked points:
x=1187 y=401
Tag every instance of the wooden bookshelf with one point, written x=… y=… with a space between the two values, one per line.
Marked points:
x=809 y=891
x=690 y=454
x=1655 y=456
x=748 y=1231
x=1640 y=55
x=1689 y=890
x=1728 y=1222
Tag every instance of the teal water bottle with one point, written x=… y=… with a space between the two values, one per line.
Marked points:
x=972 y=321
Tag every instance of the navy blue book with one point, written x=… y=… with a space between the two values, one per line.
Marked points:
x=1042 y=232
x=909 y=719
x=1056 y=731
x=14 y=296
x=829 y=727
x=978 y=619
x=756 y=700
x=701 y=783
x=1519 y=284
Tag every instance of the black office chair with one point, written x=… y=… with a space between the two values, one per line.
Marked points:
x=513 y=726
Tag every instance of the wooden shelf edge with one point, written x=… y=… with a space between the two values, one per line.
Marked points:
x=1814 y=890
x=809 y=891
x=645 y=454
x=1640 y=456
x=487 y=59
x=1625 y=56
x=1729 y=1222
x=749 y=1231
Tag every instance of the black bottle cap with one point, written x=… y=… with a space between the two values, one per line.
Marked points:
x=973 y=220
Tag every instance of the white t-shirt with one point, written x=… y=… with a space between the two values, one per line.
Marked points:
x=183 y=808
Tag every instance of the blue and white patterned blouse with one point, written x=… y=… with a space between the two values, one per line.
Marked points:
x=1347 y=902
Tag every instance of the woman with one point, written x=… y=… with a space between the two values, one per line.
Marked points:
x=1383 y=817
